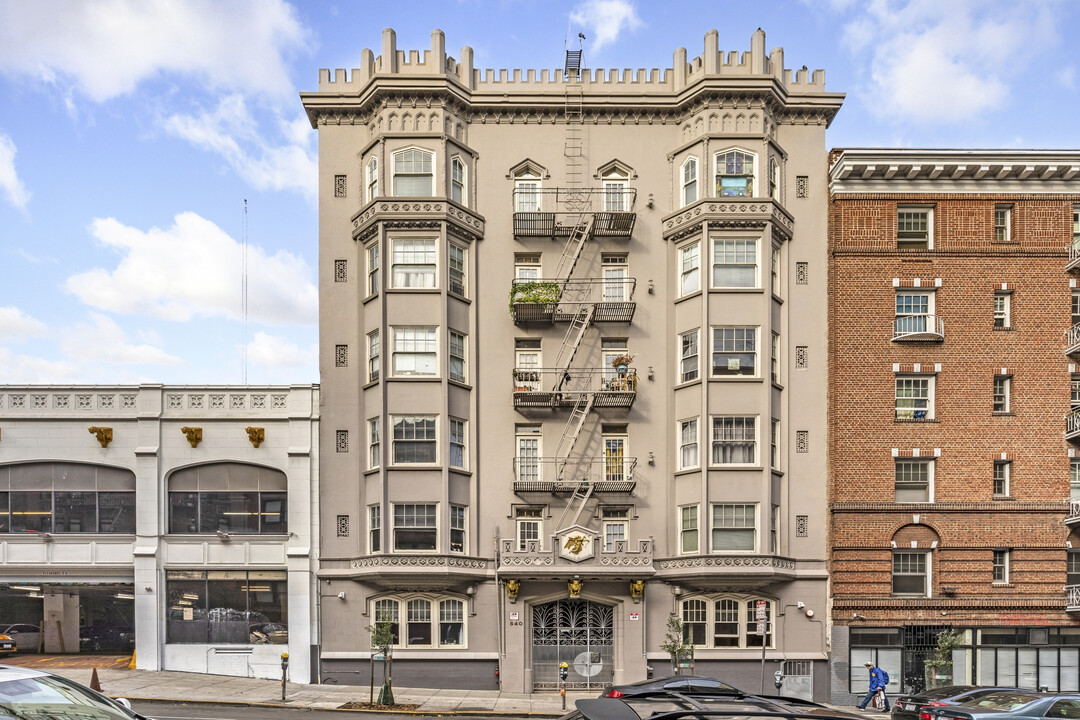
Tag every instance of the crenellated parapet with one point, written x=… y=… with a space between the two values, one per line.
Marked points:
x=666 y=91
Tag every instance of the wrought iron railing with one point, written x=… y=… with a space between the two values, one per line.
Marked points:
x=1072 y=339
x=1074 y=510
x=1074 y=256
x=550 y=300
x=1072 y=423
x=1072 y=597
x=611 y=473
x=552 y=387
x=575 y=200
x=918 y=327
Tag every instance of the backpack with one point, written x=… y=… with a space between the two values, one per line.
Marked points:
x=884 y=676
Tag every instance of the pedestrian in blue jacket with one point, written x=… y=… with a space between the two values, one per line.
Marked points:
x=877 y=682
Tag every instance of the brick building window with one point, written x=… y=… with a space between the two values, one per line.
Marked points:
x=1002 y=307
x=1076 y=227
x=1002 y=223
x=1002 y=473
x=1075 y=391
x=914 y=397
x=913 y=310
x=1001 y=567
x=1072 y=568
x=914 y=480
x=914 y=227
x=1074 y=479
x=910 y=573
x=1002 y=387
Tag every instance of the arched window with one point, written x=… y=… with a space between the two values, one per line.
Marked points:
x=413 y=173
x=228 y=497
x=457 y=181
x=66 y=498
x=734 y=174
x=726 y=622
x=372 y=179
x=527 y=192
x=616 y=195
x=689 y=181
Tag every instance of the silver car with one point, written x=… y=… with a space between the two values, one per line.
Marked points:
x=33 y=694
x=26 y=636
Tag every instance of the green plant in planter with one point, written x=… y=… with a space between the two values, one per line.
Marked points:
x=939 y=667
x=540 y=292
x=624 y=359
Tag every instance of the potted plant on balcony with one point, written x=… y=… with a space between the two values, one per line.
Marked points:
x=621 y=363
x=539 y=292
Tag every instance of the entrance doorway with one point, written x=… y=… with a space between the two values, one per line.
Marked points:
x=579 y=633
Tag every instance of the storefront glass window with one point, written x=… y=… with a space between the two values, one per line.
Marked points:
x=227 y=607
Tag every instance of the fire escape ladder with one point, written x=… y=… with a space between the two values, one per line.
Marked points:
x=573 y=471
x=572 y=340
x=575 y=505
x=571 y=251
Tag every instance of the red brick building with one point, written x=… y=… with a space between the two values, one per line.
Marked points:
x=951 y=283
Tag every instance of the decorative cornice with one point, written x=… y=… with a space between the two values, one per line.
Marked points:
x=752 y=213
x=996 y=506
x=714 y=561
x=420 y=561
x=426 y=214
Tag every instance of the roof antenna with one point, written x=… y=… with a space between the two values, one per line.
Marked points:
x=244 y=295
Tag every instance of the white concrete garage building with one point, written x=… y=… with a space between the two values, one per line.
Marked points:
x=175 y=520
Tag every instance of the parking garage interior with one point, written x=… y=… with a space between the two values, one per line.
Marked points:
x=70 y=617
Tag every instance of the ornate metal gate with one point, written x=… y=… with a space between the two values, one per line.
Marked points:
x=920 y=641
x=577 y=632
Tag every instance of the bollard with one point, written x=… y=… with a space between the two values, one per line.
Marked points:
x=284 y=671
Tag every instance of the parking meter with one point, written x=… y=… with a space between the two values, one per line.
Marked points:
x=564 y=672
x=284 y=672
x=778 y=679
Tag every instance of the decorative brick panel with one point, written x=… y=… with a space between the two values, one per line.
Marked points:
x=339 y=186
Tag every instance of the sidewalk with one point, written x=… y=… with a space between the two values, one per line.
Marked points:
x=196 y=687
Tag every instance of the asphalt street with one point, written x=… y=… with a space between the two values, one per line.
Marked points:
x=205 y=711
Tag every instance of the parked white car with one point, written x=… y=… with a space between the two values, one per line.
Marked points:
x=26 y=636
x=27 y=693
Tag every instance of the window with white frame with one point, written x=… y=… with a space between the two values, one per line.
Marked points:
x=1000 y=565
x=734 y=440
x=610 y=349
x=914 y=480
x=414 y=439
x=1002 y=223
x=372 y=179
x=616 y=464
x=1072 y=567
x=456 y=269
x=527 y=364
x=529 y=521
x=774 y=179
x=913 y=308
x=1074 y=391
x=1002 y=307
x=415 y=527
x=734 y=527
x=616 y=286
x=1075 y=307
x=374 y=442
x=415 y=351
x=616 y=192
x=430 y=621
x=734 y=351
x=527 y=462
x=375 y=528
x=457 y=528
x=451 y=623
x=910 y=573
x=914 y=228
x=373 y=268
x=457 y=443
x=725 y=622
x=735 y=263
x=774 y=530
x=1076 y=227
x=689 y=542
x=527 y=192
x=615 y=525
x=688 y=444
x=735 y=173
x=914 y=397
x=775 y=357
x=413 y=173
x=386 y=611
x=689 y=181
x=1074 y=479
x=374 y=360
x=413 y=263
x=527 y=266
x=1002 y=471
x=689 y=269
x=688 y=356
x=457 y=356
x=774 y=266
x=457 y=181
x=774 y=444
x=1002 y=386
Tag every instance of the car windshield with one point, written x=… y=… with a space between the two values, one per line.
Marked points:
x=1005 y=701
x=57 y=699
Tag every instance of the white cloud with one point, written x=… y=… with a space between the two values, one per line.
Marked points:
x=231 y=132
x=194 y=268
x=13 y=188
x=1067 y=76
x=105 y=48
x=102 y=340
x=272 y=350
x=946 y=62
x=603 y=20
x=14 y=323
x=20 y=369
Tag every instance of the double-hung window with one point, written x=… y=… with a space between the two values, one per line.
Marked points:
x=527 y=193
x=734 y=351
x=529 y=521
x=914 y=397
x=451 y=622
x=688 y=444
x=456 y=269
x=912 y=312
x=375 y=528
x=413 y=263
x=914 y=228
x=1076 y=227
x=457 y=443
x=688 y=356
x=734 y=528
x=910 y=573
x=735 y=174
x=688 y=530
x=418 y=622
x=616 y=193
x=457 y=528
x=1074 y=479
x=735 y=263
x=1002 y=223
x=695 y=621
x=457 y=356
x=615 y=521
x=457 y=181
x=1001 y=567
x=374 y=442
x=734 y=440
x=1002 y=386
x=413 y=173
x=775 y=357
x=1002 y=471
x=689 y=181
x=374 y=360
x=689 y=269
x=372 y=179
x=1002 y=307
x=914 y=480
x=414 y=439
x=528 y=453
x=415 y=351
x=415 y=527
x=373 y=268
x=1072 y=567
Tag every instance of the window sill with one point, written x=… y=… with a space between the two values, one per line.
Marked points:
x=414 y=378
x=414 y=466
x=420 y=291
x=736 y=466
x=460 y=384
x=462 y=298
x=1001 y=585
x=777 y=298
x=916 y=421
x=372 y=471
x=735 y=378
x=1003 y=498
x=688 y=296
x=738 y=290
x=688 y=383
x=459 y=471
x=369 y=298
x=369 y=384
x=777 y=386
x=1002 y=413
x=687 y=471
x=1004 y=328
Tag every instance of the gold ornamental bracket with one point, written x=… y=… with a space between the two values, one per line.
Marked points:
x=193 y=435
x=637 y=589
x=513 y=587
x=104 y=435
x=575 y=587
x=256 y=435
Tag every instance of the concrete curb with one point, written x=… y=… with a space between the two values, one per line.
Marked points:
x=286 y=704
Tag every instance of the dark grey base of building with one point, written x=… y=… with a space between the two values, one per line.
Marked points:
x=456 y=674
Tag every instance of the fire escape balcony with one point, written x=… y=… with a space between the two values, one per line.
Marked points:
x=556 y=388
x=1073 y=516
x=557 y=476
x=1072 y=598
x=918 y=328
x=1074 y=257
x=554 y=212
x=1072 y=425
x=552 y=301
x=1072 y=340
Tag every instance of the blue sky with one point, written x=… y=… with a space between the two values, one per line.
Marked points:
x=133 y=131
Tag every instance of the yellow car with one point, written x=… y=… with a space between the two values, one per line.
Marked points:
x=7 y=645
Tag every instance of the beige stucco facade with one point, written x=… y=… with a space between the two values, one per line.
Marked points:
x=491 y=481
